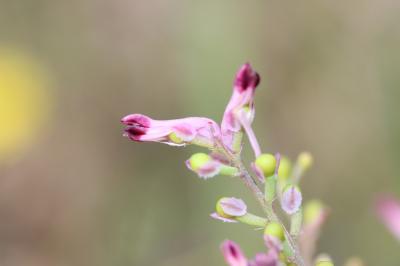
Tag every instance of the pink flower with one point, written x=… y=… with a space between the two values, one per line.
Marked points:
x=235 y=257
x=240 y=109
x=192 y=130
x=233 y=254
x=388 y=210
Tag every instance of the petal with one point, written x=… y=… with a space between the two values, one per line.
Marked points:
x=233 y=254
x=218 y=217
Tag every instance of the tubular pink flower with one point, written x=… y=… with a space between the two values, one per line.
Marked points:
x=240 y=109
x=178 y=132
x=233 y=254
x=388 y=210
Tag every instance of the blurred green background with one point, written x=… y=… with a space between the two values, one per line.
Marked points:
x=73 y=191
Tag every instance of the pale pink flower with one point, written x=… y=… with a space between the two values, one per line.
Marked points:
x=240 y=109
x=388 y=210
x=233 y=254
x=177 y=132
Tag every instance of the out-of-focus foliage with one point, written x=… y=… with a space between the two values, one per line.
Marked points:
x=81 y=194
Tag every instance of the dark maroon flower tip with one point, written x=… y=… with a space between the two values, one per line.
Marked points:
x=134 y=132
x=246 y=78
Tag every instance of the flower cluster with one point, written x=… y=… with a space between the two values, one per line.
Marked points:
x=274 y=179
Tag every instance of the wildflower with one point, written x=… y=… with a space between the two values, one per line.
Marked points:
x=233 y=254
x=178 y=132
x=388 y=210
x=240 y=109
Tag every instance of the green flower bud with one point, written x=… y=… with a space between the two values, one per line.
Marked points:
x=312 y=211
x=305 y=160
x=324 y=263
x=285 y=168
x=267 y=163
x=220 y=210
x=197 y=160
x=274 y=229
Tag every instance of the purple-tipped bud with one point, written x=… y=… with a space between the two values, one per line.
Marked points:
x=388 y=210
x=291 y=199
x=233 y=254
x=240 y=110
x=192 y=130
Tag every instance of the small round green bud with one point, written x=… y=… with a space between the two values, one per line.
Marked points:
x=324 y=263
x=274 y=229
x=285 y=168
x=197 y=160
x=175 y=139
x=220 y=210
x=312 y=210
x=267 y=163
x=305 y=160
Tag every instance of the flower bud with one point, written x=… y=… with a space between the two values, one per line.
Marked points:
x=198 y=160
x=324 y=263
x=207 y=166
x=313 y=211
x=274 y=229
x=291 y=199
x=323 y=260
x=267 y=163
x=230 y=207
x=305 y=160
x=285 y=168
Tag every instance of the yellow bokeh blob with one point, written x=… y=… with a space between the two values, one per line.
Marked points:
x=24 y=101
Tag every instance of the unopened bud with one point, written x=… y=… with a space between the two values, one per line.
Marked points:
x=324 y=263
x=312 y=211
x=285 y=168
x=323 y=260
x=198 y=160
x=230 y=207
x=267 y=163
x=274 y=229
x=305 y=160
